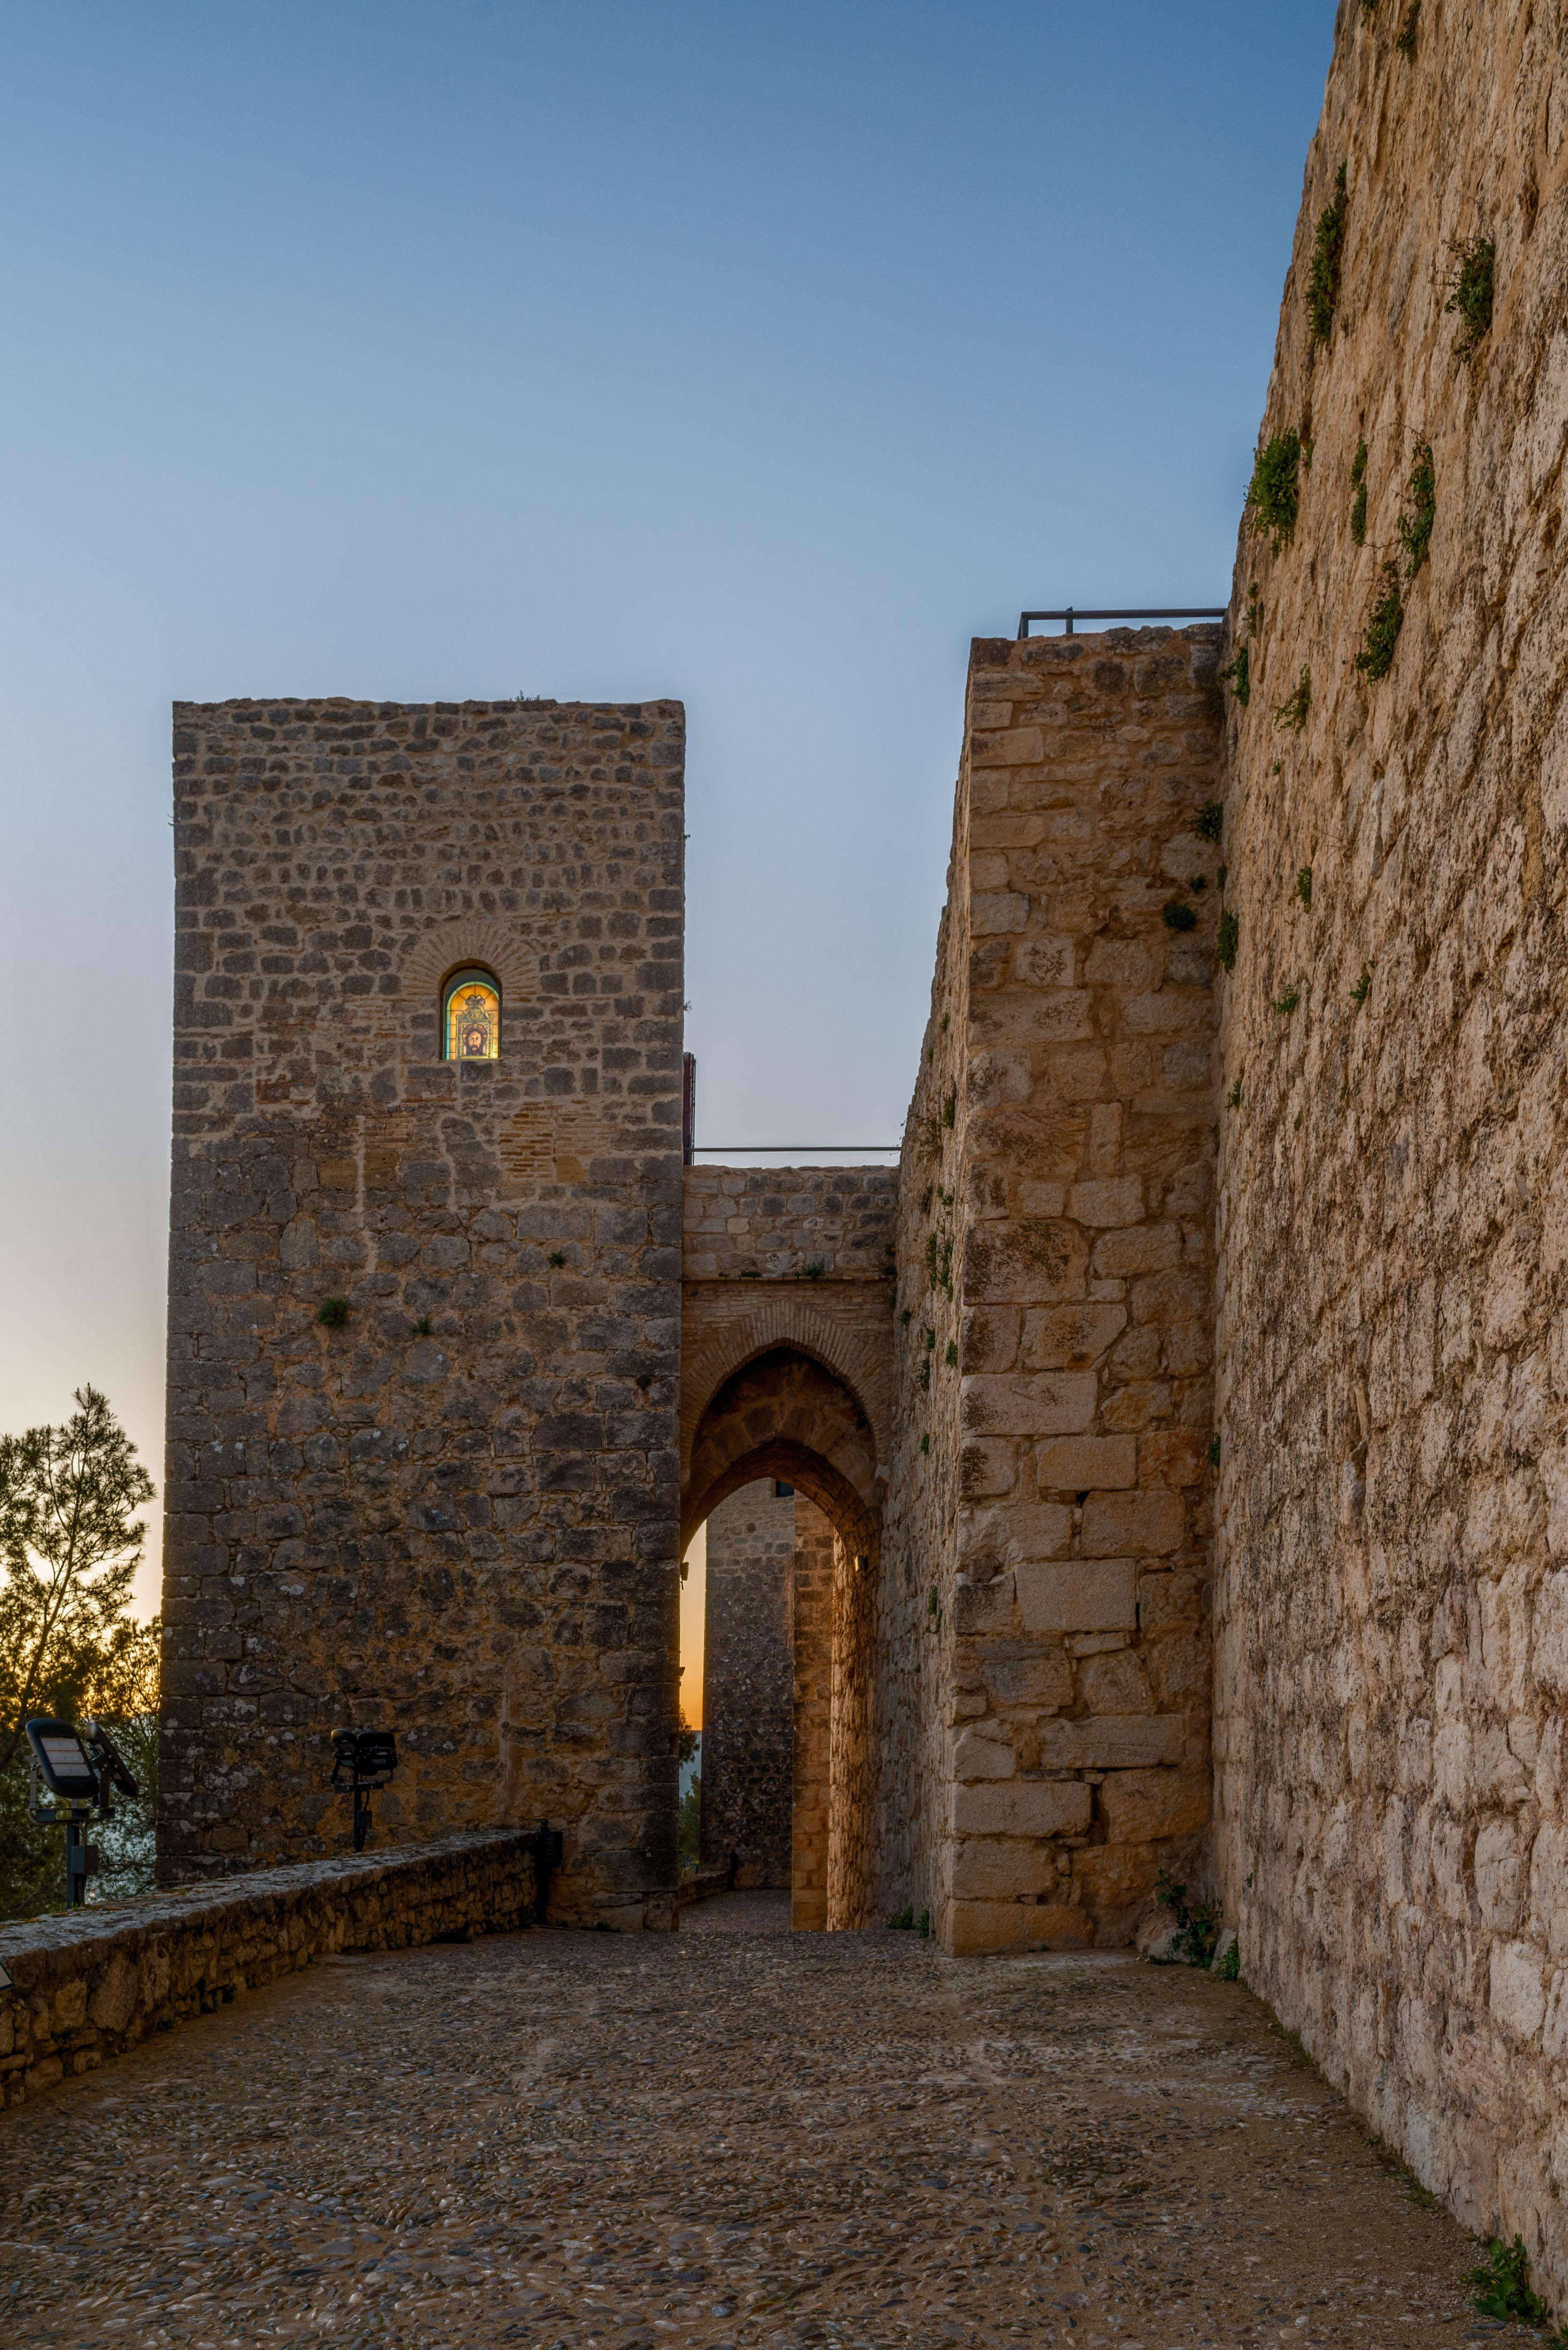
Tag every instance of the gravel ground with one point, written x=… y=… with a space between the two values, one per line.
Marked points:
x=732 y=2135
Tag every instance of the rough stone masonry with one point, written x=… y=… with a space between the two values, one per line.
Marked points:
x=1217 y=1309
x=455 y=1513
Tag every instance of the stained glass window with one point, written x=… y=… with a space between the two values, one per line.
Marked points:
x=471 y=1017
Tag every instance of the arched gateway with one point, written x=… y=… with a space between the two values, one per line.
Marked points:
x=787 y=1335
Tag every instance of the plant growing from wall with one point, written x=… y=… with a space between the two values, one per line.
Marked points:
x=1327 y=254
x=1405 y=39
x=1292 y=710
x=1362 y=988
x=1358 y=503
x=422 y=1327
x=332 y=1313
x=1239 y=674
x=1210 y=821
x=1383 y=623
x=1197 y=1922
x=1177 y=915
x=1502 y=2284
x=1471 y=293
x=1286 y=1003
x=1416 y=522
x=1226 y=939
x=1275 y=492
x=1234 y=1098
x=950 y=1357
x=1304 y=887
x=949 y=1107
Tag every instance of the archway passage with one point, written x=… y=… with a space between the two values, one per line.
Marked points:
x=784 y=1417
x=783 y=1414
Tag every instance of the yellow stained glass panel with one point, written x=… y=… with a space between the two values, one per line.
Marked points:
x=472 y=1022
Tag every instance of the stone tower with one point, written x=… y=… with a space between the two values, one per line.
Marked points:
x=425 y=1300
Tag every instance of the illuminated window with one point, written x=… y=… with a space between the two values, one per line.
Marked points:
x=471 y=1017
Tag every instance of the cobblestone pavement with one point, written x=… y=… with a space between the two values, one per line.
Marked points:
x=732 y=2135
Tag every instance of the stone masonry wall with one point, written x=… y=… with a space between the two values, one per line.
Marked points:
x=748 y=1685
x=1393 y=1344
x=456 y=1514
x=91 y=1984
x=796 y=1256
x=1045 y=1561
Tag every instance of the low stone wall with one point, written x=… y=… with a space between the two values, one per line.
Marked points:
x=91 y=1984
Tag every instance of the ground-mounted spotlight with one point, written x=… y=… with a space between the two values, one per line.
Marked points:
x=81 y=1769
x=362 y=1760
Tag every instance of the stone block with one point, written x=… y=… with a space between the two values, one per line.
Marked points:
x=1071 y=1337
x=1112 y=1201
x=1099 y=1595
x=987 y=1871
x=974 y=1926
x=1142 y=1806
x=1039 y=1679
x=1080 y=1463
x=1153 y=1521
x=977 y=1755
x=1028 y=1403
x=1024 y=1808
x=1113 y=1742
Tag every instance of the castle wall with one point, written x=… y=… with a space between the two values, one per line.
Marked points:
x=456 y=1514
x=748 y=1685
x=1042 y=1662
x=1392 y=1603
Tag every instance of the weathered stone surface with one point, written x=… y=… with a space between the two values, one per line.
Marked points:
x=455 y=1516
x=1391 y=1368
x=1053 y=1341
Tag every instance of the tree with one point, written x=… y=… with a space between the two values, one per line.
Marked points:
x=69 y=1546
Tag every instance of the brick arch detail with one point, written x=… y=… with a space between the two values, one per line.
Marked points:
x=480 y=939
x=790 y=1321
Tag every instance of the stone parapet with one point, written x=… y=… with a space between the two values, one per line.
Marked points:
x=90 y=1983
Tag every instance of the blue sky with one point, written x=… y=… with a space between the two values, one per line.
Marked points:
x=757 y=356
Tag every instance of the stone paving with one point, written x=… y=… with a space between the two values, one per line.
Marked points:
x=734 y=2134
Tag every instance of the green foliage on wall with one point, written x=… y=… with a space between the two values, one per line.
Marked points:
x=1275 y=492
x=1292 y=710
x=1177 y=915
x=1405 y=39
x=1327 y=254
x=1359 y=503
x=1471 y=293
x=1240 y=673
x=1226 y=939
x=1383 y=623
x=1416 y=522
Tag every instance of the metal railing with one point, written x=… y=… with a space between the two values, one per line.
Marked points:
x=1171 y=612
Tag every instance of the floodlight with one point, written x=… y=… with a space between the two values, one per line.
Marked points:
x=62 y=1762
x=369 y=1757
x=57 y=1762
